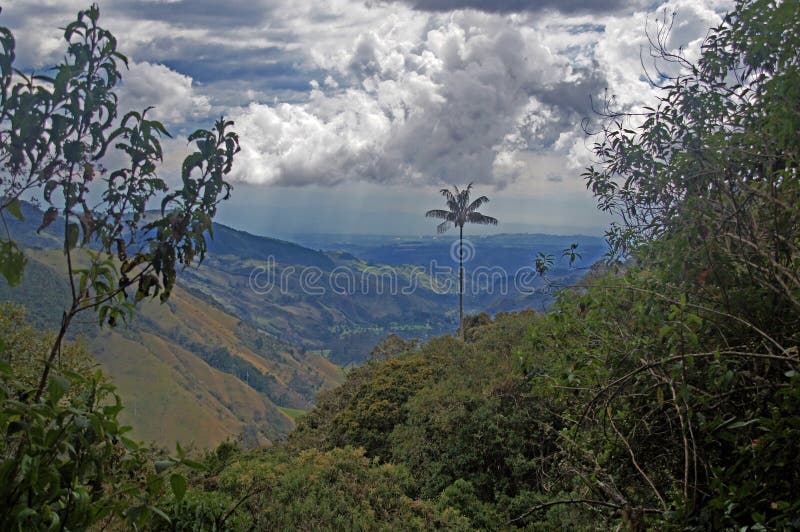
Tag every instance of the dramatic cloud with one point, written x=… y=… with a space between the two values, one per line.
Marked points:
x=200 y=13
x=453 y=105
x=624 y=50
x=411 y=92
x=519 y=6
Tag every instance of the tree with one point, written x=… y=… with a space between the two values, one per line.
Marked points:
x=460 y=212
x=713 y=165
x=705 y=183
x=55 y=133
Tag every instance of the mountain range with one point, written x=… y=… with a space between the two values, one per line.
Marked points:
x=249 y=337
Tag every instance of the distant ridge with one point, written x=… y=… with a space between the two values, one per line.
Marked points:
x=230 y=241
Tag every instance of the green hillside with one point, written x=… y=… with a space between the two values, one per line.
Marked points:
x=303 y=310
x=267 y=346
x=189 y=371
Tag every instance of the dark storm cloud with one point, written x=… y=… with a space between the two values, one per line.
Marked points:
x=226 y=49
x=209 y=62
x=575 y=95
x=459 y=104
x=192 y=13
x=519 y=6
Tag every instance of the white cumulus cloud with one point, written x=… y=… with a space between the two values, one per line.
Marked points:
x=170 y=93
x=453 y=105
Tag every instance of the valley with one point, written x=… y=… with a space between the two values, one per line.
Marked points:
x=231 y=355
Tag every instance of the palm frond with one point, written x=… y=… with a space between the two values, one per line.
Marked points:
x=481 y=219
x=475 y=205
x=438 y=213
x=442 y=227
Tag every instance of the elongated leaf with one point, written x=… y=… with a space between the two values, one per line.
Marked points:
x=49 y=217
x=160 y=513
x=15 y=208
x=73 y=232
x=742 y=424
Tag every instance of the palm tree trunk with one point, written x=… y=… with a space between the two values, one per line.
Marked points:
x=461 y=281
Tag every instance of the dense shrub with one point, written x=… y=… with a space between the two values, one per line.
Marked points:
x=310 y=490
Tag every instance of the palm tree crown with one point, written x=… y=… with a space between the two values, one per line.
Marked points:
x=461 y=211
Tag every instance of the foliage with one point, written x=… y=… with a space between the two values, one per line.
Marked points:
x=391 y=347
x=493 y=436
x=54 y=134
x=363 y=411
x=452 y=413
x=710 y=171
x=65 y=461
x=24 y=346
x=460 y=210
x=336 y=490
x=690 y=393
x=656 y=402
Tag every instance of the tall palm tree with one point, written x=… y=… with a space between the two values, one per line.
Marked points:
x=460 y=211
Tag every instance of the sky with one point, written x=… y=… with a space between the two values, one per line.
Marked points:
x=352 y=114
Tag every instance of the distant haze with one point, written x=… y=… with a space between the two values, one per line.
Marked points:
x=282 y=212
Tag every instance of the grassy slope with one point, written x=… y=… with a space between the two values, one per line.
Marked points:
x=167 y=400
x=171 y=393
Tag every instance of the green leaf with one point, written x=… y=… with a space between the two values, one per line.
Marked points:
x=742 y=424
x=160 y=513
x=154 y=484
x=23 y=515
x=178 y=483
x=15 y=208
x=197 y=466
x=72 y=236
x=73 y=151
x=55 y=522
x=57 y=386
x=12 y=262
x=163 y=465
